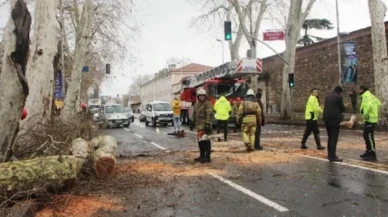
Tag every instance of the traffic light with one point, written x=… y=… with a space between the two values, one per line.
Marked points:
x=228 y=30
x=291 y=81
x=107 y=68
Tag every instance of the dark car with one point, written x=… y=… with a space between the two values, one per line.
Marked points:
x=142 y=116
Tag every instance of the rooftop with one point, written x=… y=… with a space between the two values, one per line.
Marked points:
x=193 y=67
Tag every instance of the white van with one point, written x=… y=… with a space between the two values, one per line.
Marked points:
x=158 y=112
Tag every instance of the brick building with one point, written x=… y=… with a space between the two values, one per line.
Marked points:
x=317 y=66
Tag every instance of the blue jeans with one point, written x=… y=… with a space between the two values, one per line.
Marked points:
x=177 y=122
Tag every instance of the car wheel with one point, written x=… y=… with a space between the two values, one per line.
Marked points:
x=126 y=125
x=133 y=119
x=146 y=122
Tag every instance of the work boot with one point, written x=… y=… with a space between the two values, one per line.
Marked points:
x=336 y=159
x=320 y=147
x=303 y=146
x=249 y=148
x=201 y=151
x=370 y=156
x=219 y=139
x=365 y=153
x=259 y=148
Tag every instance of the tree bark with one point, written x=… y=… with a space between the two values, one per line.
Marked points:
x=84 y=32
x=377 y=10
x=294 y=24
x=40 y=68
x=43 y=172
x=13 y=84
x=104 y=157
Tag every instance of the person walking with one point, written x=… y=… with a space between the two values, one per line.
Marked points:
x=333 y=115
x=249 y=115
x=222 y=108
x=202 y=118
x=176 y=111
x=258 y=145
x=370 y=113
x=312 y=112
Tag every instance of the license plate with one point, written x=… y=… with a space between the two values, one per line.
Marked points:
x=119 y=121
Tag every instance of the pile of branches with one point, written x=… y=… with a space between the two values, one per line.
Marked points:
x=53 y=137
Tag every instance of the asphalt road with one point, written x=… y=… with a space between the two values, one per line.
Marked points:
x=303 y=185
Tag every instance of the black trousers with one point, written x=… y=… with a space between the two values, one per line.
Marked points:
x=311 y=126
x=369 y=136
x=257 y=136
x=223 y=125
x=332 y=129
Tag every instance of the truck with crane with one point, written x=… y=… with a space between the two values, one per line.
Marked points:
x=226 y=79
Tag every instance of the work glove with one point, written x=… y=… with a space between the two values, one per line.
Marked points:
x=192 y=125
x=366 y=117
x=208 y=128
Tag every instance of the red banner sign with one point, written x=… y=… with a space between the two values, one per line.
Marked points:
x=273 y=36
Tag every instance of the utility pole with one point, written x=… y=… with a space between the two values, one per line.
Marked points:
x=62 y=50
x=338 y=47
x=222 y=43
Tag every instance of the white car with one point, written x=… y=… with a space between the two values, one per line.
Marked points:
x=158 y=112
x=113 y=115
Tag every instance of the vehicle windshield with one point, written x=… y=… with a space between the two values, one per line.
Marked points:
x=162 y=107
x=127 y=110
x=114 y=109
x=94 y=107
x=231 y=90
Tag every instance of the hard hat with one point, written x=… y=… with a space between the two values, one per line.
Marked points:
x=201 y=92
x=83 y=105
x=24 y=114
x=250 y=92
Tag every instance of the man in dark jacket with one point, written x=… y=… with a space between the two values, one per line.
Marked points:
x=333 y=116
x=258 y=146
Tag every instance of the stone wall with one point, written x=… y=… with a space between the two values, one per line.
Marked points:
x=317 y=66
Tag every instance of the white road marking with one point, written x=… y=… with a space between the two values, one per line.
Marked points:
x=158 y=146
x=141 y=137
x=126 y=129
x=250 y=193
x=347 y=164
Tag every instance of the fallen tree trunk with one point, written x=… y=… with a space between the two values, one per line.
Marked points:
x=104 y=156
x=350 y=123
x=43 y=172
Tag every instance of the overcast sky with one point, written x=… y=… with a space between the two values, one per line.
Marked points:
x=165 y=33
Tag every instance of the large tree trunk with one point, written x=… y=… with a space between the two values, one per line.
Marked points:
x=104 y=157
x=84 y=33
x=13 y=85
x=294 y=24
x=40 y=68
x=377 y=10
x=43 y=172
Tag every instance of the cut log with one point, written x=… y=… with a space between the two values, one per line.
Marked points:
x=43 y=172
x=104 y=157
x=53 y=171
x=350 y=123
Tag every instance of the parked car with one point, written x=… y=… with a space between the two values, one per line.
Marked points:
x=158 y=112
x=143 y=114
x=129 y=113
x=112 y=115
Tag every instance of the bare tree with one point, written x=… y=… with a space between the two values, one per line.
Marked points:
x=137 y=80
x=294 y=24
x=41 y=66
x=377 y=10
x=215 y=13
x=83 y=40
x=13 y=84
x=179 y=61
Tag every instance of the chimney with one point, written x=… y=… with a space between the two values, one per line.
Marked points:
x=171 y=67
x=165 y=70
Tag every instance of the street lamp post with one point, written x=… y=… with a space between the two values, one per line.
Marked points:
x=222 y=43
x=338 y=47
